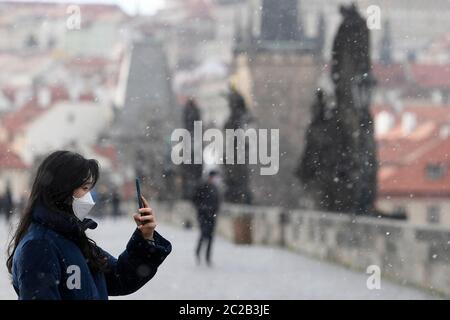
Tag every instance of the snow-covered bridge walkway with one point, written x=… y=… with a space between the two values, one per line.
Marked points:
x=239 y=272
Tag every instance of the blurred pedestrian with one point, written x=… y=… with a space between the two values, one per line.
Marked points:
x=100 y=196
x=8 y=203
x=207 y=201
x=115 y=203
x=2 y=211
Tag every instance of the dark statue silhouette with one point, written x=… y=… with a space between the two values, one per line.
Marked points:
x=339 y=165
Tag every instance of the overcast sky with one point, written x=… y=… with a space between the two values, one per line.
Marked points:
x=146 y=6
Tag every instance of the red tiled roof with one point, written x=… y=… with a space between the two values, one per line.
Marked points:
x=412 y=179
x=200 y=9
x=431 y=76
x=87 y=96
x=9 y=93
x=404 y=158
x=389 y=75
x=17 y=120
x=9 y=159
x=59 y=93
x=427 y=76
x=84 y=64
x=401 y=152
x=437 y=114
x=394 y=147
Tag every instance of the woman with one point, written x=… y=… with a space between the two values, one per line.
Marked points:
x=50 y=256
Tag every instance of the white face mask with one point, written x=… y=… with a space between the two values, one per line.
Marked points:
x=82 y=206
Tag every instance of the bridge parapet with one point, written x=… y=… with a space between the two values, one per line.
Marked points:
x=411 y=254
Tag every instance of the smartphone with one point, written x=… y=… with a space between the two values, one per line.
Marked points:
x=138 y=193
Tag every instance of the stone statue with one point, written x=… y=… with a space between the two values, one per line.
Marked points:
x=341 y=173
x=317 y=159
x=237 y=175
x=191 y=173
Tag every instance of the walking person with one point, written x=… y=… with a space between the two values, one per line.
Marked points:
x=115 y=204
x=2 y=211
x=207 y=202
x=50 y=256
x=8 y=203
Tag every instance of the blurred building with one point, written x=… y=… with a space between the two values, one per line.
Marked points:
x=414 y=156
x=104 y=84
x=103 y=31
x=41 y=126
x=412 y=83
x=414 y=23
x=144 y=122
x=55 y=92
x=42 y=27
x=277 y=67
x=13 y=172
x=198 y=37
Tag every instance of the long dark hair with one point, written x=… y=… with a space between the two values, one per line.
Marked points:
x=57 y=177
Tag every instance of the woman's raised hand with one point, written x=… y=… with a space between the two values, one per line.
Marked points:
x=146 y=220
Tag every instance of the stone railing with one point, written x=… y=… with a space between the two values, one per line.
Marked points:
x=411 y=254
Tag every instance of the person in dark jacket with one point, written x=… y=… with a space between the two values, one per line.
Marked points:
x=207 y=201
x=115 y=203
x=50 y=256
x=8 y=203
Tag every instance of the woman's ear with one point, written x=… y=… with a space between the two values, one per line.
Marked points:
x=78 y=193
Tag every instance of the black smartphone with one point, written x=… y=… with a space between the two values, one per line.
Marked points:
x=139 y=196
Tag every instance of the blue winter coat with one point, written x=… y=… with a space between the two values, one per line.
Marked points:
x=49 y=265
